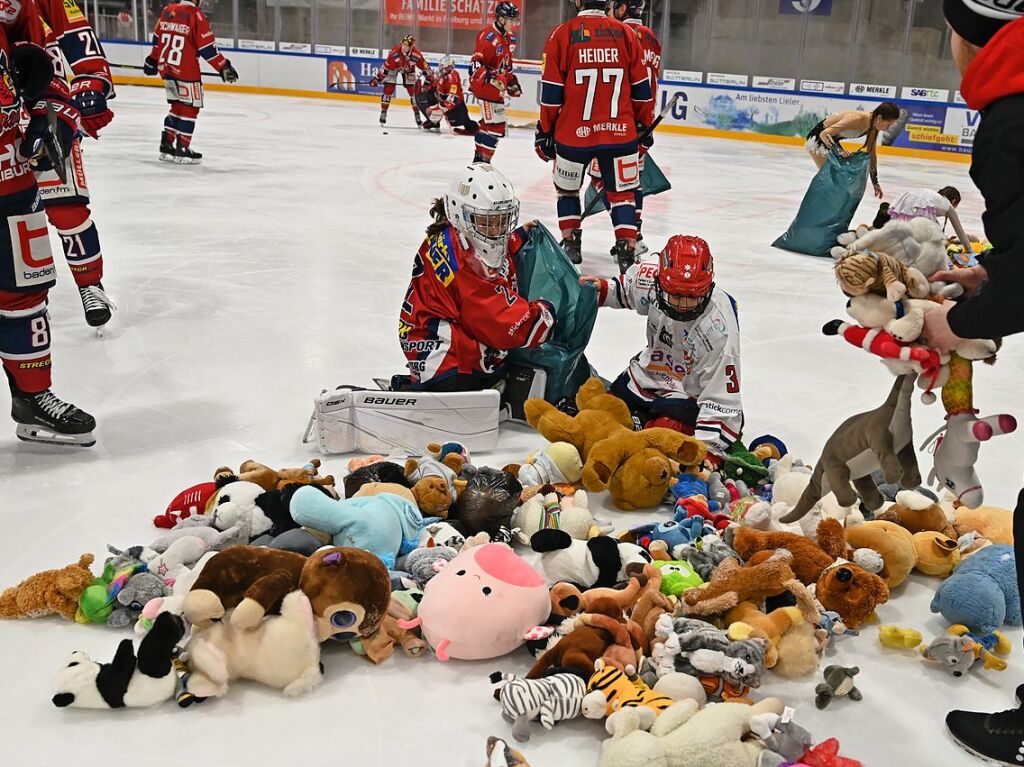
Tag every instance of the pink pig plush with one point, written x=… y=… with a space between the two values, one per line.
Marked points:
x=483 y=604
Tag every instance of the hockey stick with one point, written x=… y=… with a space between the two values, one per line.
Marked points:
x=647 y=132
x=134 y=66
x=51 y=147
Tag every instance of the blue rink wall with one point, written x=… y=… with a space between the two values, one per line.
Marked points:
x=736 y=106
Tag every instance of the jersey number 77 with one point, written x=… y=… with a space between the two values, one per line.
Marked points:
x=590 y=77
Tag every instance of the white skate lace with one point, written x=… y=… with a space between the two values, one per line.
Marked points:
x=51 y=405
x=94 y=298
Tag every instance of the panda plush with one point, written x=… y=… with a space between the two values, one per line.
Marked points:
x=596 y=563
x=129 y=681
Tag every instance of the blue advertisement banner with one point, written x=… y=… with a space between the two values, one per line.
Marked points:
x=352 y=74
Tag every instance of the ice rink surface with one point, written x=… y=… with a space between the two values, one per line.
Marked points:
x=275 y=269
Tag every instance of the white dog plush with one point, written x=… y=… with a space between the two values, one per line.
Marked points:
x=282 y=651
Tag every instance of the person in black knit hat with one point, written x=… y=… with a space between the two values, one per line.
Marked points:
x=988 y=48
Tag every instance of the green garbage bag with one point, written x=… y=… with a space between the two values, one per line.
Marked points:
x=828 y=206
x=544 y=271
x=652 y=182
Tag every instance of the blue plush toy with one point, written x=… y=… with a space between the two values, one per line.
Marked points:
x=982 y=591
x=671 y=532
x=385 y=524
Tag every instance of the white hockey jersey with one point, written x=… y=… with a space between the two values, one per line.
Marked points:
x=698 y=360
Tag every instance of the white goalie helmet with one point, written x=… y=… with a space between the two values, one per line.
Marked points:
x=482 y=205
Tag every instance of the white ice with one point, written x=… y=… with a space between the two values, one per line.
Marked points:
x=275 y=269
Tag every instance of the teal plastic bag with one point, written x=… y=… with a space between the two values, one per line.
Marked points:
x=652 y=182
x=828 y=206
x=544 y=271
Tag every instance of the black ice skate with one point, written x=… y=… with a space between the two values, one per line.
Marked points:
x=429 y=125
x=625 y=255
x=419 y=120
x=640 y=250
x=97 y=305
x=477 y=157
x=184 y=155
x=44 y=417
x=383 y=117
x=166 y=149
x=573 y=246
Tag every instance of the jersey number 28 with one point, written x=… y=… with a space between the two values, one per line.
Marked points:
x=173 y=45
x=590 y=77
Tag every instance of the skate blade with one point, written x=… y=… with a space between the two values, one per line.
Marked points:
x=42 y=435
x=164 y=157
x=186 y=161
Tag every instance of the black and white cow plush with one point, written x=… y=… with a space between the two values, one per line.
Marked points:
x=129 y=681
x=595 y=563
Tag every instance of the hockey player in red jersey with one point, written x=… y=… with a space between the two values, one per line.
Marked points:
x=28 y=84
x=70 y=38
x=463 y=311
x=447 y=101
x=181 y=36
x=688 y=376
x=404 y=59
x=631 y=12
x=595 y=100
x=492 y=77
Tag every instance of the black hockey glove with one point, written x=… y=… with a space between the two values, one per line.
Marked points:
x=544 y=144
x=33 y=71
x=229 y=74
x=645 y=135
x=149 y=68
x=89 y=95
x=48 y=145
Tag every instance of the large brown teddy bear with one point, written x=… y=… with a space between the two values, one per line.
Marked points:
x=851 y=591
x=918 y=513
x=809 y=558
x=49 y=592
x=348 y=588
x=271 y=479
x=635 y=467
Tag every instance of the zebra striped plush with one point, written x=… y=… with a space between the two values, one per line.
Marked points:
x=610 y=689
x=551 y=699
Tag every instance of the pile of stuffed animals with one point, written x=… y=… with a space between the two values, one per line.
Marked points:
x=666 y=631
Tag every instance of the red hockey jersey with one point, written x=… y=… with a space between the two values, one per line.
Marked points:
x=403 y=62
x=20 y=23
x=181 y=36
x=457 y=320
x=650 y=53
x=68 y=30
x=594 y=86
x=449 y=89
x=491 y=64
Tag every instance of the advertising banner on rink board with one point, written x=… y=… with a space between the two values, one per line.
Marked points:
x=934 y=126
x=466 y=14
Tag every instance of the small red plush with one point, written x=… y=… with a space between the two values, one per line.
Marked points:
x=187 y=503
x=826 y=754
x=697 y=506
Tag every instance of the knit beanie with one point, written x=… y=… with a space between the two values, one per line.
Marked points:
x=976 y=21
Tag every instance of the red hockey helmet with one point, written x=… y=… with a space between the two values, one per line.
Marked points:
x=686 y=277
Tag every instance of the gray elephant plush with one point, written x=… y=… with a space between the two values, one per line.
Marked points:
x=130 y=600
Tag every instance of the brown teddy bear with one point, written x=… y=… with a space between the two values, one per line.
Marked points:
x=918 y=513
x=732 y=583
x=585 y=644
x=269 y=479
x=852 y=592
x=349 y=589
x=809 y=559
x=636 y=468
x=51 y=592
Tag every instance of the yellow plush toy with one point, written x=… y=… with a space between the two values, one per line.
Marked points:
x=937 y=554
x=893 y=542
x=635 y=467
x=899 y=638
x=994 y=524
